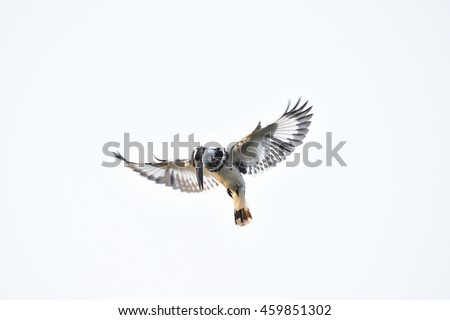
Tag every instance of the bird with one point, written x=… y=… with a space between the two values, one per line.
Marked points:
x=211 y=167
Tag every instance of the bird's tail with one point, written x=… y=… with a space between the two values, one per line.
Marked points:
x=242 y=215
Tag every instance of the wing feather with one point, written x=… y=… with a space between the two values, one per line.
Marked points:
x=269 y=145
x=178 y=174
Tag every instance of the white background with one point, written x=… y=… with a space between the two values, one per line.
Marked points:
x=74 y=75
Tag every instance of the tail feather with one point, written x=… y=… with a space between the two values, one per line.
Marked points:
x=242 y=217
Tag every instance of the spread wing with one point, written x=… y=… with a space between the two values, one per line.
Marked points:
x=178 y=174
x=265 y=147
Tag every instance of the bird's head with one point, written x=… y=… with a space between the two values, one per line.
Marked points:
x=214 y=158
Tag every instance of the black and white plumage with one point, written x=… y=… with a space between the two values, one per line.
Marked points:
x=179 y=174
x=263 y=148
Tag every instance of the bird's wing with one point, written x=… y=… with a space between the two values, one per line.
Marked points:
x=178 y=174
x=265 y=147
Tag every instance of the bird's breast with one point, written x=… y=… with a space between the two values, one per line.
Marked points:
x=230 y=177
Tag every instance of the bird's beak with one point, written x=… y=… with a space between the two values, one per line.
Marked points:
x=200 y=176
x=198 y=162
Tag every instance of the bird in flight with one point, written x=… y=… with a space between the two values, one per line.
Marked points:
x=209 y=167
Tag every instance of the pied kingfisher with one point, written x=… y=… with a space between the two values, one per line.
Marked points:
x=209 y=167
